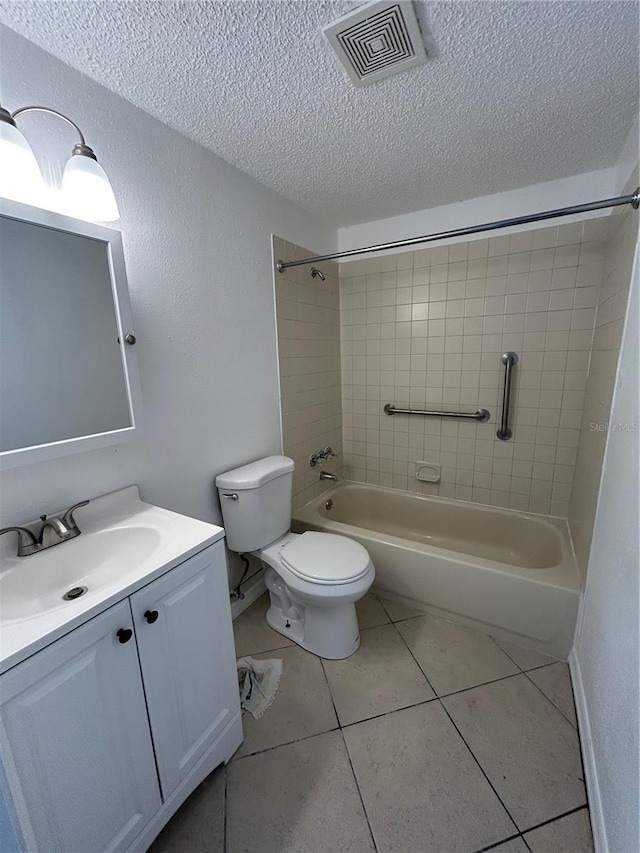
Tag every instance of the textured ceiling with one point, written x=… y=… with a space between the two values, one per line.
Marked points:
x=512 y=93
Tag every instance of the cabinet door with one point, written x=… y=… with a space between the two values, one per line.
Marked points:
x=75 y=742
x=187 y=658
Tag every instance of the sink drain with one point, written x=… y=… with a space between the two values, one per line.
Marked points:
x=74 y=592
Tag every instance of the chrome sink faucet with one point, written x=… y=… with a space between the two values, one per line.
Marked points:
x=53 y=531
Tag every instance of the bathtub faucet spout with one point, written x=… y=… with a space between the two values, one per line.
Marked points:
x=327 y=475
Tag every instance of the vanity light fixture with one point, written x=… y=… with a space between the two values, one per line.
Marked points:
x=85 y=193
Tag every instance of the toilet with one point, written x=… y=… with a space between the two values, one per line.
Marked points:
x=313 y=579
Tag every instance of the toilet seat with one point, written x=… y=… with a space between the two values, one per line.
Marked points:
x=325 y=558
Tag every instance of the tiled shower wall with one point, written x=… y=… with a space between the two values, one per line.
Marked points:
x=427 y=329
x=308 y=320
x=614 y=291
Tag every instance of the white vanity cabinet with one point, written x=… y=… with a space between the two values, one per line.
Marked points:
x=76 y=746
x=187 y=657
x=105 y=732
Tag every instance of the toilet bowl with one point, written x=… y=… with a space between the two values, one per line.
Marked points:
x=313 y=579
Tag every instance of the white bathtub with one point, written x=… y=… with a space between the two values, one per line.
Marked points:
x=510 y=573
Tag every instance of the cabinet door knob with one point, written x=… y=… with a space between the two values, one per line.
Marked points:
x=151 y=616
x=124 y=634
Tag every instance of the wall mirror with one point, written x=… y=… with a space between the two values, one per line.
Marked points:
x=68 y=377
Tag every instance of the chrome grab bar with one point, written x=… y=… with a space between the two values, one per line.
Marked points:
x=508 y=359
x=481 y=415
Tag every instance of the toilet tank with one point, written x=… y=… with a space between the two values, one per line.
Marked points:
x=261 y=512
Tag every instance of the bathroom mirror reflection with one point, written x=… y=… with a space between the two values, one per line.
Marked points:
x=64 y=373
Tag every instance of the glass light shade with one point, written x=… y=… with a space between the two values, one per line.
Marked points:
x=86 y=190
x=20 y=176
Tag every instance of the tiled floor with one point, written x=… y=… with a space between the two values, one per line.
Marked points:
x=432 y=738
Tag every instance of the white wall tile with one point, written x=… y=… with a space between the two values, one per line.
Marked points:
x=439 y=327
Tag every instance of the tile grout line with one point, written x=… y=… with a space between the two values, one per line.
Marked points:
x=355 y=779
x=387 y=713
x=490 y=636
x=346 y=749
x=498 y=843
x=557 y=707
x=462 y=689
x=463 y=739
x=583 y=807
x=482 y=770
x=285 y=743
x=268 y=651
x=404 y=618
x=522 y=669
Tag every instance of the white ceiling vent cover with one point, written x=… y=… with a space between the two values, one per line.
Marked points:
x=377 y=40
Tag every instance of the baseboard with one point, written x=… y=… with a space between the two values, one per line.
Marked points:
x=588 y=757
x=252 y=592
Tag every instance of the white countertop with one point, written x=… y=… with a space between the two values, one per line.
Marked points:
x=174 y=539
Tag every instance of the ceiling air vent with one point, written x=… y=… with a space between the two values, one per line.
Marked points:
x=377 y=40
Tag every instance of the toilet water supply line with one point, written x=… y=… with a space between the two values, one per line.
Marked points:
x=236 y=593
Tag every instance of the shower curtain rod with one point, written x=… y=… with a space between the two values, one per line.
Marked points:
x=633 y=200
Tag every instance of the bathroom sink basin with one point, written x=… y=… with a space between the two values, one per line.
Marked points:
x=124 y=544
x=83 y=566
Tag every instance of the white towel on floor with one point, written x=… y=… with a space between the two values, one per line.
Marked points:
x=258 y=681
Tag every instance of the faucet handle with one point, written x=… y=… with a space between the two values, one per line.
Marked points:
x=27 y=542
x=68 y=520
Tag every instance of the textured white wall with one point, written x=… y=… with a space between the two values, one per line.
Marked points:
x=605 y=655
x=474 y=211
x=628 y=159
x=197 y=239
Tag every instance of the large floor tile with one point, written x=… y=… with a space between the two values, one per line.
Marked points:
x=555 y=683
x=421 y=787
x=252 y=634
x=398 y=611
x=452 y=656
x=527 y=748
x=302 y=706
x=370 y=612
x=380 y=677
x=570 y=834
x=299 y=798
x=198 y=825
x=523 y=657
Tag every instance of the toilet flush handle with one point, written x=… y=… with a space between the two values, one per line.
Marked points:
x=233 y=496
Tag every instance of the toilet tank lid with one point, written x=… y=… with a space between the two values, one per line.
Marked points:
x=255 y=473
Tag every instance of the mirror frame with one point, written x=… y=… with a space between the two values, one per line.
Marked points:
x=122 y=307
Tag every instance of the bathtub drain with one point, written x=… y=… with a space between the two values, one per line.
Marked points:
x=329 y=504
